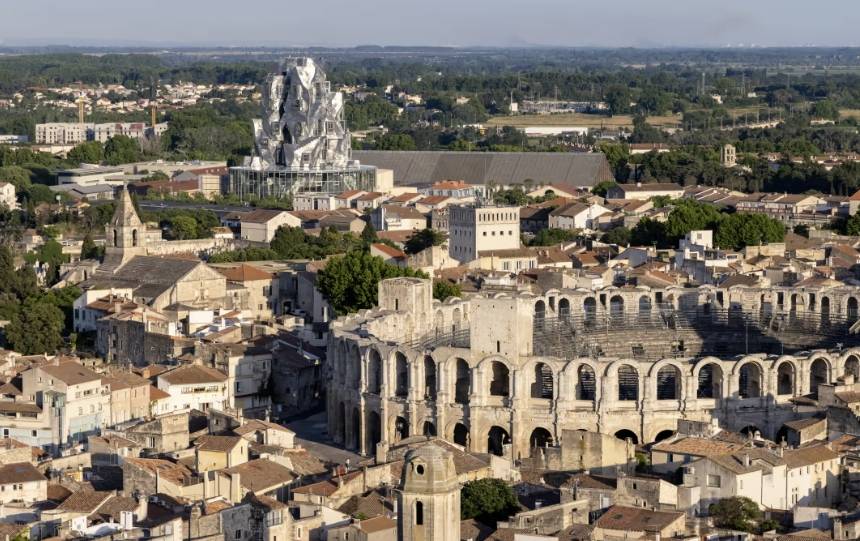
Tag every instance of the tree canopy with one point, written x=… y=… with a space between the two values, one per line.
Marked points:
x=487 y=500
x=737 y=513
x=350 y=281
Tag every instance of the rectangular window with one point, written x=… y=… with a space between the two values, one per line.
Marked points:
x=714 y=481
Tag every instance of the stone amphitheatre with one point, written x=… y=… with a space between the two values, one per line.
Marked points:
x=506 y=373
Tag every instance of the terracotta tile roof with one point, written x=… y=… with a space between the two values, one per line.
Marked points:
x=19 y=407
x=389 y=251
x=806 y=456
x=217 y=443
x=697 y=447
x=157 y=394
x=432 y=200
x=377 y=524
x=261 y=216
x=244 y=273
x=193 y=373
x=619 y=517
x=20 y=472
x=262 y=474
x=348 y=194
x=405 y=197
x=372 y=504
x=176 y=473
x=85 y=501
x=450 y=185
x=71 y=373
x=113 y=508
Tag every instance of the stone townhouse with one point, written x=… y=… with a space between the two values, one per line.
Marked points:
x=248 y=368
x=194 y=387
x=22 y=482
x=27 y=422
x=129 y=396
x=77 y=396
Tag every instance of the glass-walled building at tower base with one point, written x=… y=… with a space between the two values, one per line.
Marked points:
x=249 y=183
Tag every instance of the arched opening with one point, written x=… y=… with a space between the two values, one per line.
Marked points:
x=419 y=513
x=852 y=310
x=540 y=438
x=341 y=423
x=628 y=383
x=456 y=320
x=818 y=375
x=356 y=430
x=461 y=435
x=134 y=237
x=439 y=322
x=616 y=308
x=751 y=431
x=402 y=377
x=585 y=383
x=540 y=314
x=463 y=384
x=825 y=312
x=429 y=429
x=589 y=310
x=115 y=238
x=668 y=383
x=497 y=437
x=644 y=308
x=852 y=367
x=401 y=429
x=663 y=435
x=792 y=310
x=750 y=381
x=710 y=381
x=542 y=387
x=374 y=431
x=625 y=435
x=785 y=379
x=782 y=434
x=429 y=378
x=374 y=373
x=501 y=381
x=564 y=309
x=354 y=371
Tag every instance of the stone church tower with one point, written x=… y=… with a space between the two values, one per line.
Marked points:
x=125 y=235
x=429 y=499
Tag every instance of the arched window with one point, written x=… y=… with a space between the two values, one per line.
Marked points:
x=818 y=375
x=668 y=383
x=540 y=314
x=585 y=383
x=419 y=513
x=710 y=381
x=497 y=437
x=564 y=309
x=134 y=237
x=461 y=434
x=589 y=309
x=402 y=368
x=628 y=383
x=115 y=237
x=500 y=384
x=429 y=378
x=852 y=310
x=540 y=438
x=616 y=308
x=750 y=381
x=542 y=387
x=374 y=375
x=463 y=385
x=852 y=366
x=785 y=379
x=825 y=312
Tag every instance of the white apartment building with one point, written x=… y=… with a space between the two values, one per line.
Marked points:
x=472 y=230
x=193 y=386
x=79 y=399
x=7 y=195
x=61 y=133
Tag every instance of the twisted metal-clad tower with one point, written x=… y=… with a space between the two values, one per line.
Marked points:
x=301 y=142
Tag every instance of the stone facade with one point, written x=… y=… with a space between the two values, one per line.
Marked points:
x=509 y=373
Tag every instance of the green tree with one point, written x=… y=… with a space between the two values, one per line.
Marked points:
x=121 y=149
x=617 y=235
x=826 y=109
x=89 y=250
x=36 y=328
x=368 y=234
x=487 y=500
x=514 y=196
x=549 y=237
x=183 y=227
x=442 y=289
x=852 y=225
x=350 y=281
x=602 y=187
x=396 y=141
x=737 y=513
x=649 y=232
x=87 y=152
x=423 y=239
x=738 y=230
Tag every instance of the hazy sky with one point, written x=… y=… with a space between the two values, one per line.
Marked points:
x=639 y=23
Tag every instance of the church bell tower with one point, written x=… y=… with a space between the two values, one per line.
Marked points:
x=429 y=498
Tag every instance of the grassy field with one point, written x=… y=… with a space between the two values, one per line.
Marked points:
x=849 y=113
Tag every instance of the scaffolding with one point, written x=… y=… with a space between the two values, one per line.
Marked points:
x=283 y=182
